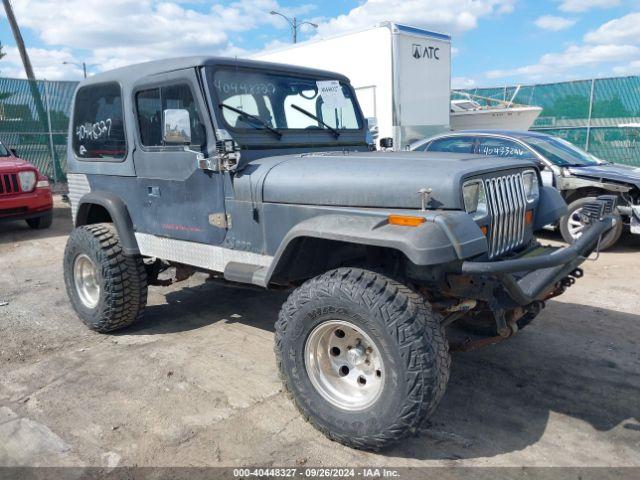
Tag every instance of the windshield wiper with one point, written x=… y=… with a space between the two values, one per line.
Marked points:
x=252 y=117
x=335 y=132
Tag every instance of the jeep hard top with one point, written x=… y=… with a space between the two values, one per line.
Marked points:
x=263 y=174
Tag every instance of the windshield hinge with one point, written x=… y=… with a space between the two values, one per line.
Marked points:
x=218 y=163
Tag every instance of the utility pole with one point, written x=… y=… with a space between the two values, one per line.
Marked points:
x=28 y=69
x=295 y=24
x=18 y=39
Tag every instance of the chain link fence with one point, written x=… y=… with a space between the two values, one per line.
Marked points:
x=600 y=115
x=34 y=117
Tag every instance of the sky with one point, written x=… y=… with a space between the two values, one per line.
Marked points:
x=495 y=42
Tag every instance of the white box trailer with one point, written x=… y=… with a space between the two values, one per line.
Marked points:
x=402 y=76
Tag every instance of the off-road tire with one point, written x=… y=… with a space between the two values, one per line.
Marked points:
x=408 y=334
x=608 y=241
x=42 y=222
x=123 y=279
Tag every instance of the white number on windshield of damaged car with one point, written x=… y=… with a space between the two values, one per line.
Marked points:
x=502 y=151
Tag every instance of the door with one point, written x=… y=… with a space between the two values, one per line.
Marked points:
x=178 y=199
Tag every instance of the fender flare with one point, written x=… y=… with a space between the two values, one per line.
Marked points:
x=119 y=214
x=444 y=237
x=551 y=206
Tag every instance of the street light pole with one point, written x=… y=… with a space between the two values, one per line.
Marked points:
x=293 y=22
x=81 y=64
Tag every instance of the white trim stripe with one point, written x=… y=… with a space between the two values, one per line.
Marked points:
x=78 y=188
x=208 y=257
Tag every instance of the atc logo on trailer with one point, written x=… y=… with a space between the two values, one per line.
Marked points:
x=429 y=52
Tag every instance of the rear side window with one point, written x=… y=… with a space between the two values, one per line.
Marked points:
x=501 y=147
x=98 y=128
x=452 y=145
x=152 y=103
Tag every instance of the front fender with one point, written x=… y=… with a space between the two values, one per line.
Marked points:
x=119 y=215
x=443 y=238
x=551 y=207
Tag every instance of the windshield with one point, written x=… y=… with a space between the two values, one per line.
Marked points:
x=253 y=100
x=562 y=153
x=4 y=152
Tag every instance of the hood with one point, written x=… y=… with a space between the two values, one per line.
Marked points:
x=611 y=171
x=11 y=164
x=377 y=179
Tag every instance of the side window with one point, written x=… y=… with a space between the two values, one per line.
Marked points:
x=151 y=104
x=500 y=147
x=98 y=125
x=452 y=145
x=150 y=117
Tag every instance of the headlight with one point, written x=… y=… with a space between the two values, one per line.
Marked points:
x=27 y=181
x=531 y=188
x=475 y=198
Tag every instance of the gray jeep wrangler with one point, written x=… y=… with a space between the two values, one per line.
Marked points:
x=262 y=174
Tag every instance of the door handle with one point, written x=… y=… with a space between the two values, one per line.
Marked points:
x=153 y=191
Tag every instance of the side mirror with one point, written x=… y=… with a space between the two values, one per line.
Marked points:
x=14 y=152
x=386 y=142
x=177 y=126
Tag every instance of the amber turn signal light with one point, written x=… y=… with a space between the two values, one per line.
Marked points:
x=406 y=220
x=528 y=217
x=484 y=229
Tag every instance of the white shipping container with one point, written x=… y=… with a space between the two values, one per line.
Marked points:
x=402 y=75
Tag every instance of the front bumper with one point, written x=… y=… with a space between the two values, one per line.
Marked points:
x=532 y=277
x=26 y=205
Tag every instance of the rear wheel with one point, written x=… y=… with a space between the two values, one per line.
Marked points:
x=571 y=226
x=107 y=288
x=363 y=357
x=42 y=222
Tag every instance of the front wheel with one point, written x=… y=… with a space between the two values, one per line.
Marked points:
x=363 y=357
x=571 y=226
x=42 y=222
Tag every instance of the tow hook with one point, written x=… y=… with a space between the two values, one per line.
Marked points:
x=565 y=283
x=572 y=277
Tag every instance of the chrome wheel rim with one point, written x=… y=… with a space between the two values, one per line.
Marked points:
x=344 y=365
x=86 y=280
x=575 y=225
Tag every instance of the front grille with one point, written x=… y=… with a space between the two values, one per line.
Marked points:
x=9 y=183
x=507 y=207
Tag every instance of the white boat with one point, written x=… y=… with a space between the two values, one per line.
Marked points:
x=470 y=114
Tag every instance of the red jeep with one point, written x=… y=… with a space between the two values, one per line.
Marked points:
x=25 y=194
